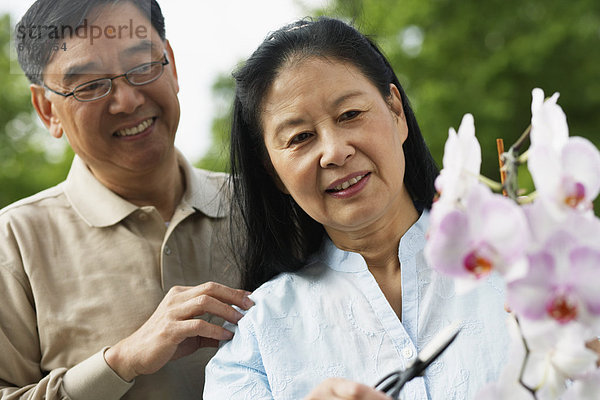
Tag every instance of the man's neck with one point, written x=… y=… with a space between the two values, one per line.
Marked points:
x=162 y=188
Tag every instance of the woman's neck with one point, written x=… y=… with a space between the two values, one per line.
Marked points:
x=378 y=242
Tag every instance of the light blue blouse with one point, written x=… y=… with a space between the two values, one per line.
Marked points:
x=331 y=319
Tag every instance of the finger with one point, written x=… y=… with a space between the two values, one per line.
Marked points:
x=206 y=342
x=223 y=293
x=337 y=388
x=205 y=304
x=203 y=329
x=355 y=391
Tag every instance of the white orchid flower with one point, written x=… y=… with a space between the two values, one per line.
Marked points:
x=565 y=170
x=461 y=162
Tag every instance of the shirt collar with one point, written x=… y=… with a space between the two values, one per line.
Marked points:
x=100 y=207
x=411 y=243
x=205 y=191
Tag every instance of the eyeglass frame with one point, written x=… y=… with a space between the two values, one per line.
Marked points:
x=72 y=93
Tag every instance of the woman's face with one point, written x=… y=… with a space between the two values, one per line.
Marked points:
x=336 y=144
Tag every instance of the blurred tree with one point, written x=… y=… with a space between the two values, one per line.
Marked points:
x=485 y=57
x=29 y=159
x=482 y=57
x=217 y=157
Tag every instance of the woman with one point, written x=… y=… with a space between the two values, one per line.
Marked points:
x=332 y=177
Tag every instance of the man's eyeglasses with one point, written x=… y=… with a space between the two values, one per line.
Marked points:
x=98 y=88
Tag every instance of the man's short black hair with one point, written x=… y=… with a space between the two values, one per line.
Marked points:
x=35 y=50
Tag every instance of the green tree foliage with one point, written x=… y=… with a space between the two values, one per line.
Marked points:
x=217 y=158
x=482 y=57
x=29 y=161
x=485 y=57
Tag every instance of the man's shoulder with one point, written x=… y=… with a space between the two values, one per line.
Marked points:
x=44 y=200
x=215 y=178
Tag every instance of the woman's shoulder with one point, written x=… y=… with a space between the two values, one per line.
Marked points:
x=290 y=284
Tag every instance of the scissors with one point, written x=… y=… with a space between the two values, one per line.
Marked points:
x=393 y=383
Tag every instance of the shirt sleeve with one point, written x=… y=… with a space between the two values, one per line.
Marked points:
x=21 y=375
x=237 y=372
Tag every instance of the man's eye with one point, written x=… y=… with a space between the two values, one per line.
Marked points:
x=92 y=87
x=348 y=115
x=301 y=137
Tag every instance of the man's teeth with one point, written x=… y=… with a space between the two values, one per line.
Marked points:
x=136 y=129
x=348 y=183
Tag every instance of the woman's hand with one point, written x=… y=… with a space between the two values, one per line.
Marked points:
x=337 y=388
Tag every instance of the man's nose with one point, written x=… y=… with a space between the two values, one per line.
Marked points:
x=125 y=98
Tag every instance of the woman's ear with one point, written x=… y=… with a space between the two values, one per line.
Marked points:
x=395 y=102
x=45 y=110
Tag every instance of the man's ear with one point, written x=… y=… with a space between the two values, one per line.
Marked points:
x=45 y=110
x=171 y=58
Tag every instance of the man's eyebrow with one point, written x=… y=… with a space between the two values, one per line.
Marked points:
x=144 y=45
x=78 y=69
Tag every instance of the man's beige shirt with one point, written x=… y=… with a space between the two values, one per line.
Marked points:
x=81 y=269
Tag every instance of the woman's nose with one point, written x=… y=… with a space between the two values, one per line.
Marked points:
x=336 y=149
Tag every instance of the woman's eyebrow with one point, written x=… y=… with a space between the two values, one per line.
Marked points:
x=288 y=123
x=346 y=96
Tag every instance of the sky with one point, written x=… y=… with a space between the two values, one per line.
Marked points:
x=208 y=38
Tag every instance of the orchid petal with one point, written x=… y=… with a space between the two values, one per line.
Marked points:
x=528 y=296
x=585 y=270
x=581 y=160
x=548 y=122
x=545 y=168
x=446 y=246
x=503 y=224
x=585 y=387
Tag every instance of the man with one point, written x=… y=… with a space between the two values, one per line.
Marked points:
x=106 y=278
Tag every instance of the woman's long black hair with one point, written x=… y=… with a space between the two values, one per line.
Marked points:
x=276 y=234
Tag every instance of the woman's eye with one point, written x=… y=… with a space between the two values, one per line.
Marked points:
x=301 y=137
x=348 y=115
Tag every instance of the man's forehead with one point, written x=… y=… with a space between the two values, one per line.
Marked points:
x=104 y=42
x=142 y=52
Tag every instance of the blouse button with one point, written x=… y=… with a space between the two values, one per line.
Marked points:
x=407 y=352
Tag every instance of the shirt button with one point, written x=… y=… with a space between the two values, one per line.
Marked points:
x=167 y=250
x=407 y=352
x=143 y=216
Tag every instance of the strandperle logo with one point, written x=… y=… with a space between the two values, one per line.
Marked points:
x=84 y=31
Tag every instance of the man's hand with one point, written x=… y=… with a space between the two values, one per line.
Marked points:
x=173 y=331
x=336 y=388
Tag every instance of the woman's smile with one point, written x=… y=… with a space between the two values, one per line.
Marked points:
x=349 y=186
x=335 y=143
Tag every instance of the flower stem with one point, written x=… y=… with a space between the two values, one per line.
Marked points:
x=523 y=157
x=530 y=390
x=521 y=140
x=492 y=184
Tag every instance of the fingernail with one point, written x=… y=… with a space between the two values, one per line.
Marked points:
x=247 y=302
x=227 y=335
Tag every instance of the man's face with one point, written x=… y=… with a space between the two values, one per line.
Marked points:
x=131 y=131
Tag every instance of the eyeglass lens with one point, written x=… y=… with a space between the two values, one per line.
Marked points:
x=138 y=76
